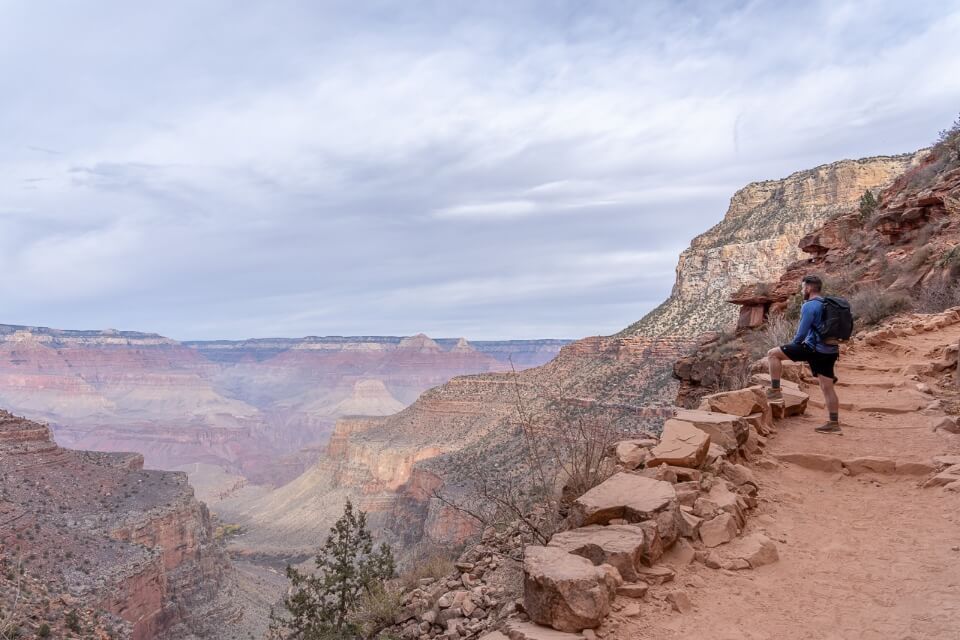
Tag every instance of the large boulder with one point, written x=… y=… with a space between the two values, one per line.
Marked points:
x=565 y=591
x=681 y=444
x=728 y=431
x=630 y=497
x=742 y=402
x=755 y=549
x=619 y=545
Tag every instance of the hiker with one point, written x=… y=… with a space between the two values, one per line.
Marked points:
x=808 y=346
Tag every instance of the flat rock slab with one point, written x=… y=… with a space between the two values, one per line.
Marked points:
x=624 y=496
x=870 y=464
x=946 y=460
x=565 y=591
x=494 y=635
x=815 y=461
x=633 y=590
x=619 y=545
x=948 y=476
x=728 y=431
x=914 y=468
x=531 y=631
x=659 y=574
x=742 y=402
x=681 y=445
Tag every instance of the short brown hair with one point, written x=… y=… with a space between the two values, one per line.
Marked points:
x=814 y=281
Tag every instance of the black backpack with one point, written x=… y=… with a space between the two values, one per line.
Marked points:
x=837 y=320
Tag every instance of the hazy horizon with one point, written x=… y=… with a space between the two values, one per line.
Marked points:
x=505 y=171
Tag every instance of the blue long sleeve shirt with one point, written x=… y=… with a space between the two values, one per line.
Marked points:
x=811 y=317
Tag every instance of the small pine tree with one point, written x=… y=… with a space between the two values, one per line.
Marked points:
x=949 y=141
x=868 y=204
x=347 y=567
x=72 y=621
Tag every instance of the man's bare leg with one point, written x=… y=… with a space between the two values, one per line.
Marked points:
x=832 y=403
x=775 y=358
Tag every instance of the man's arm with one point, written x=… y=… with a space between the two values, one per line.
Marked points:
x=806 y=322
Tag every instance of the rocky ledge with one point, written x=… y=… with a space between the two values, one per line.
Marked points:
x=105 y=535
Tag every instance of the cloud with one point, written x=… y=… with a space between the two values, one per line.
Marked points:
x=489 y=210
x=488 y=170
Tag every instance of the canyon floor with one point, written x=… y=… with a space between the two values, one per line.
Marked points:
x=866 y=556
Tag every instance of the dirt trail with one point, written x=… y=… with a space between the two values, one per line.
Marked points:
x=869 y=556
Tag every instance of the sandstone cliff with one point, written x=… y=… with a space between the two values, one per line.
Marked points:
x=905 y=254
x=103 y=534
x=758 y=237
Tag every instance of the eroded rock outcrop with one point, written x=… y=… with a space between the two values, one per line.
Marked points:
x=109 y=534
x=758 y=237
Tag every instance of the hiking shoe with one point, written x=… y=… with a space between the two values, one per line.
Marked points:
x=830 y=427
x=775 y=394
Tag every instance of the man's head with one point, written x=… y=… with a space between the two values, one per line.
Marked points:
x=811 y=287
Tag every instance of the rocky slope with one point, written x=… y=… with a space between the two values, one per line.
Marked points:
x=717 y=528
x=392 y=465
x=103 y=534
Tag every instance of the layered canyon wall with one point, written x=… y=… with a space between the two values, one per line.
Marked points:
x=103 y=534
x=255 y=408
x=758 y=238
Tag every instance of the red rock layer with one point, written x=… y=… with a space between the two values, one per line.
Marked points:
x=97 y=526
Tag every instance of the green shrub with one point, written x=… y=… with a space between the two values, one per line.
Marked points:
x=875 y=304
x=948 y=142
x=951 y=261
x=44 y=630
x=868 y=205
x=72 y=621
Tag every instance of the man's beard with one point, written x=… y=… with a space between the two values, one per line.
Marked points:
x=806 y=295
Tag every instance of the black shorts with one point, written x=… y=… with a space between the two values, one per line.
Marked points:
x=821 y=364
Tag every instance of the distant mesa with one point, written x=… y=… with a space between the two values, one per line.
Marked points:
x=463 y=346
x=369 y=398
x=420 y=342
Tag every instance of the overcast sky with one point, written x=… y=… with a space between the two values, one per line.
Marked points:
x=493 y=170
